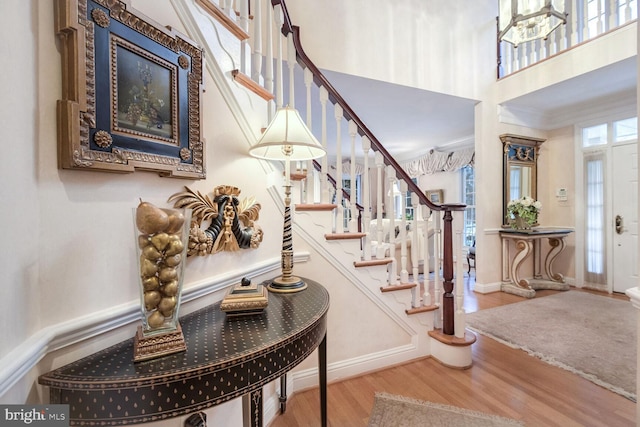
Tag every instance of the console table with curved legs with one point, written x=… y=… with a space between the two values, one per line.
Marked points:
x=226 y=357
x=527 y=242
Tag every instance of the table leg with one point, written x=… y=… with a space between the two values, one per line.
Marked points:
x=252 y=409
x=322 y=369
x=557 y=246
x=283 y=393
x=524 y=250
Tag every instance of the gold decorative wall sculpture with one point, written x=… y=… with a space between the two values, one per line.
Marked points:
x=231 y=222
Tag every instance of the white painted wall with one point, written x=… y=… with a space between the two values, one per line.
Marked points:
x=67 y=252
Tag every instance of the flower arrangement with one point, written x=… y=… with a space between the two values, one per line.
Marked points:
x=526 y=208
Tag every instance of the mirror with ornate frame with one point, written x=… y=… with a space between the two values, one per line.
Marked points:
x=519 y=177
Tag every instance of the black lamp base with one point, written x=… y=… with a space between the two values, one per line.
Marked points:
x=287 y=285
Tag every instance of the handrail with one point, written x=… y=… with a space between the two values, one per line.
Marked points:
x=363 y=130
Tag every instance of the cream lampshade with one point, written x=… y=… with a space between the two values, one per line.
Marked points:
x=287 y=138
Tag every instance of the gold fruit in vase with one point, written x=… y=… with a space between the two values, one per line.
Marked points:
x=176 y=220
x=151 y=219
x=161 y=247
x=155 y=320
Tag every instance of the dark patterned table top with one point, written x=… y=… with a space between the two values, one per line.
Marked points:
x=225 y=356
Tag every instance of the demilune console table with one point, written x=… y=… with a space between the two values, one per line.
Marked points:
x=226 y=357
x=526 y=242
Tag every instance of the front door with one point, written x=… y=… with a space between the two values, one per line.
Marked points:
x=625 y=217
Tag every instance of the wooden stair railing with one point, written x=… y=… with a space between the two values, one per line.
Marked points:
x=448 y=310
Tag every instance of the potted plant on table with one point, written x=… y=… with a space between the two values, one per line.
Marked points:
x=522 y=213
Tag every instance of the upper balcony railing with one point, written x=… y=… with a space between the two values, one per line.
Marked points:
x=587 y=19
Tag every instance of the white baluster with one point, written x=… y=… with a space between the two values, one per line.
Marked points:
x=575 y=24
x=366 y=199
x=324 y=184
x=613 y=14
x=269 y=20
x=600 y=22
x=437 y=284
x=459 y=317
x=585 y=20
x=426 y=296
x=628 y=13
x=308 y=182
x=279 y=19
x=244 y=24
x=256 y=58
x=340 y=210
x=353 y=218
x=391 y=177
x=291 y=63
x=404 y=274
x=380 y=248
x=415 y=242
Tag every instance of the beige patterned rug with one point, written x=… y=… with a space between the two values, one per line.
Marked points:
x=590 y=335
x=397 y=411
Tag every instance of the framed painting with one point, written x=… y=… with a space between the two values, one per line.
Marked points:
x=130 y=92
x=435 y=196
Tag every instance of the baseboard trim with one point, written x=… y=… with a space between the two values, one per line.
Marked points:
x=486 y=288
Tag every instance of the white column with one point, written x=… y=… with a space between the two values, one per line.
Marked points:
x=366 y=199
x=353 y=218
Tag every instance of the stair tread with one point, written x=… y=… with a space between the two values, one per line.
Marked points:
x=469 y=338
x=254 y=87
x=315 y=207
x=373 y=261
x=344 y=236
x=399 y=287
x=423 y=309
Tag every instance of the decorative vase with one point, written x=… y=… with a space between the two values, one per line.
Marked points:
x=520 y=223
x=162 y=237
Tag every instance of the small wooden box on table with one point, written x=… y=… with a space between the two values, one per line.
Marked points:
x=527 y=242
x=226 y=357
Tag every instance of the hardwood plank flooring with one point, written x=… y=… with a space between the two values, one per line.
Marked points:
x=502 y=381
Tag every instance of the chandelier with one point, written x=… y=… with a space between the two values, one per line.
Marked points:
x=521 y=21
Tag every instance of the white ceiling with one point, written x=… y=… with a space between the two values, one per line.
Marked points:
x=409 y=122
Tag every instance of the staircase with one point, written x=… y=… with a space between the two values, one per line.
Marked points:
x=250 y=72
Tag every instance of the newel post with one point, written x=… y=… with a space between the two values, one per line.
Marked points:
x=448 y=327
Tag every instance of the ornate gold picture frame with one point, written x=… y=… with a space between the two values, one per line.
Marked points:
x=130 y=92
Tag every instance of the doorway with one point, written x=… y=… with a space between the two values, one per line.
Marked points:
x=625 y=216
x=607 y=218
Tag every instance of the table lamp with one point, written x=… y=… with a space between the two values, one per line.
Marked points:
x=287 y=138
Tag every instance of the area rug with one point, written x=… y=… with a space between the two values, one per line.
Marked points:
x=397 y=411
x=590 y=335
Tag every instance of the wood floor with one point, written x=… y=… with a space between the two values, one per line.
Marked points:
x=502 y=381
